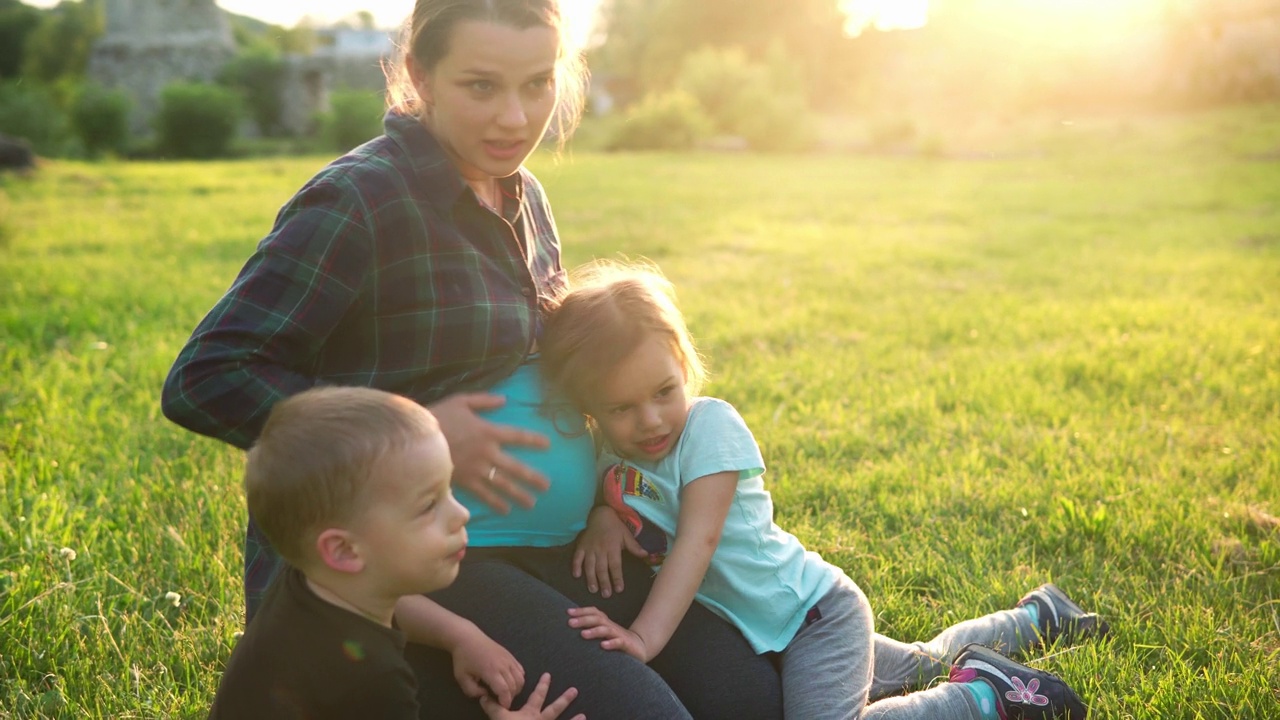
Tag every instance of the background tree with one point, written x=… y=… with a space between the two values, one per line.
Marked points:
x=59 y=47
x=17 y=22
x=258 y=75
x=648 y=41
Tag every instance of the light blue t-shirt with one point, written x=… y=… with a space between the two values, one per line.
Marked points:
x=560 y=513
x=761 y=578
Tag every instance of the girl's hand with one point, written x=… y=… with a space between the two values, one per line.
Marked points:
x=533 y=709
x=482 y=666
x=479 y=465
x=598 y=553
x=595 y=625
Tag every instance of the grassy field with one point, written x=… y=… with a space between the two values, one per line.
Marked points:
x=1057 y=358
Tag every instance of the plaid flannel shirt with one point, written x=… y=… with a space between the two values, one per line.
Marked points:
x=382 y=271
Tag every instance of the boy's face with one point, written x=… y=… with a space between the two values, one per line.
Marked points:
x=411 y=535
x=643 y=404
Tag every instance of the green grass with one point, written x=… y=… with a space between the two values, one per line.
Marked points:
x=1057 y=361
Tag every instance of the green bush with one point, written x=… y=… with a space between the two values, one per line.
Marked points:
x=30 y=111
x=354 y=117
x=196 y=120
x=762 y=103
x=101 y=120
x=257 y=74
x=666 y=121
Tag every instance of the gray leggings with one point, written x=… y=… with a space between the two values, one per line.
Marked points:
x=837 y=668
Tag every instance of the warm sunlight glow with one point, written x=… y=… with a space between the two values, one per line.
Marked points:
x=1061 y=17
x=386 y=13
x=884 y=14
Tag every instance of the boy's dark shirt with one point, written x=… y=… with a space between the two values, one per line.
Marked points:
x=305 y=658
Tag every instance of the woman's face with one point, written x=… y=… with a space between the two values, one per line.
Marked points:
x=489 y=100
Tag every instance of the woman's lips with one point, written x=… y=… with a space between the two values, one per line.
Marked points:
x=503 y=150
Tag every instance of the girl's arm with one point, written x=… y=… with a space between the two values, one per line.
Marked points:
x=704 y=504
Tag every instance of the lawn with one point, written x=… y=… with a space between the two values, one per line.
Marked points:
x=1057 y=358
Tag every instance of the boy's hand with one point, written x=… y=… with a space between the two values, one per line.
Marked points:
x=533 y=710
x=482 y=666
x=598 y=553
x=596 y=625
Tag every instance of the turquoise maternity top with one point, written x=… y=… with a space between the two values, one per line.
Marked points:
x=560 y=513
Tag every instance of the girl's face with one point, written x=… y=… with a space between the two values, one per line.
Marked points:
x=643 y=404
x=490 y=99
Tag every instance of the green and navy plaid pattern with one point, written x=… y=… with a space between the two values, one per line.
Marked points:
x=382 y=271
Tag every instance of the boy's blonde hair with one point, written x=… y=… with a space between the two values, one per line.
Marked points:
x=311 y=466
x=610 y=310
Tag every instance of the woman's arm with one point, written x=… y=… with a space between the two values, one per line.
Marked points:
x=704 y=504
x=260 y=341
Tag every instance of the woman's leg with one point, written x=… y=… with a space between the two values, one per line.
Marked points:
x=708 y=663
x=530 y=619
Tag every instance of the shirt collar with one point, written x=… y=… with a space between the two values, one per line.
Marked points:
x=440 y=179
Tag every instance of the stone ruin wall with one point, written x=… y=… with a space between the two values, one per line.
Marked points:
x=149 y=44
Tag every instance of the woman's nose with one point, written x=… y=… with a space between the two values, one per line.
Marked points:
x=512 y=113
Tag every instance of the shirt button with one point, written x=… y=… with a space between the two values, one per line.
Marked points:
x=527 y=292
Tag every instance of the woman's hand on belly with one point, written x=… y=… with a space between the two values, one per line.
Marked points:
x=479 y=464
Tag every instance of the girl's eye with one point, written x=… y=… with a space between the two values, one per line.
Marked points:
x=430 y=506
x=481 y=85
x=620 y=410
x=665 y=391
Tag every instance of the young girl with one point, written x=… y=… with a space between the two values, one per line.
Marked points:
x=686 y=475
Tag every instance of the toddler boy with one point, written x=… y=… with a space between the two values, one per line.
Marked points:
x=351 y=486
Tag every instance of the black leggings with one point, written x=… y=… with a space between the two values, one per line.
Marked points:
x=519 y=597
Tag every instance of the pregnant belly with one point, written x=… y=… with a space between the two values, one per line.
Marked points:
x=569 y=463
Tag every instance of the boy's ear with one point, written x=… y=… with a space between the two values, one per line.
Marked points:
x=337 y=551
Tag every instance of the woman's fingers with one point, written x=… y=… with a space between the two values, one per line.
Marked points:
x=484 y=492
x=479 y=464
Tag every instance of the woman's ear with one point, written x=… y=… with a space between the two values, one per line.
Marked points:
x=337 y=551
x=421 y=80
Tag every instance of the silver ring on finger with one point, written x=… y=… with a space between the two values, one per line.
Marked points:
x=493 y=474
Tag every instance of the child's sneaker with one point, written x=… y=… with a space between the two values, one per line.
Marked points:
x=1061 y=618
x=1022 y=693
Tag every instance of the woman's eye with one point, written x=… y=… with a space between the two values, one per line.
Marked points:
x=481 y=86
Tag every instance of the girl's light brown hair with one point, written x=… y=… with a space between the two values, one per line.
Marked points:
x=426 y=34
x=311 y=467
x=610 y=310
